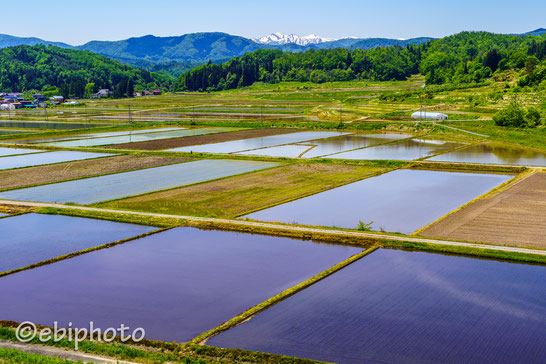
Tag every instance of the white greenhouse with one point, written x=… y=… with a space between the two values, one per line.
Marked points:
x=429 y=115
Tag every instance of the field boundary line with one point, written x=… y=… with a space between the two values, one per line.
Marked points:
x=281 y=228
x=253 y=311
x=502 y=187
x=81 y=252
x=464 y=131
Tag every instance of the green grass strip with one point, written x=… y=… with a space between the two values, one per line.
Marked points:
x=278 y=298
x=14 y=356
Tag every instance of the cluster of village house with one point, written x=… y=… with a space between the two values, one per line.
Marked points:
x=13 y=101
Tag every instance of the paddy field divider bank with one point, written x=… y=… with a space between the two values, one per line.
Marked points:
x=201 y=339
x=332 y=235
x=495 y=191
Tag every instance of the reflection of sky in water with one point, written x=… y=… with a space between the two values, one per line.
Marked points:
x=491 y=153
x=408 y=307
x=403 y=150
x=399 y=201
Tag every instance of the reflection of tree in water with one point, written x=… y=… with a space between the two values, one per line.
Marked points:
x=511 y=154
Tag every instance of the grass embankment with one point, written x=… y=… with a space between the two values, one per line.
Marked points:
x=238 y=195
x=12 y=356
x=334 y=236
x=149 y=351
x=160 y=222
x=278 y=298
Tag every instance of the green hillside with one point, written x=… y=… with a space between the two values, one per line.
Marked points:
x=468 y=57
x=70 y=71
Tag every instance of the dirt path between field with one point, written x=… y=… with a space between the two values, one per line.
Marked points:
x=203 y=139
x=280 y=227
x=55 y=352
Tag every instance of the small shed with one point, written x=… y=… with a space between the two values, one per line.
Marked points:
x=429 y=115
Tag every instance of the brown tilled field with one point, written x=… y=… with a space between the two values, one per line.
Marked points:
x=202 y=139
x=516 y=216
x=85 y=168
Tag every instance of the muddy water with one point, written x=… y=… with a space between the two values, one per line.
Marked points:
x=494 y=154
x=403 y=150
x=401 y=307
x=400 y=201
x=32 y=238
x=176 y=284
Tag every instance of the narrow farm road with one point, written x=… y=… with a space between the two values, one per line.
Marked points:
x=55 y=352
x=280 y=227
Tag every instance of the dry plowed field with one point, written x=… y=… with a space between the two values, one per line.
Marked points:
x=516 y=216
x=203 y=139
x=85 y=168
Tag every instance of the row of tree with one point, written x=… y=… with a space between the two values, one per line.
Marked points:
x=466 y=57
x=71 y=72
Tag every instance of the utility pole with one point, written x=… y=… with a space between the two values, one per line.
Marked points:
x=130 y=116
x=341 y=112
x=45 y=112
x=193 y=114
x=85 y=108
x=261 y=114
x=421 y=109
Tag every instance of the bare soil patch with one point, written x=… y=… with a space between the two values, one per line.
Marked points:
x=202 y=139
x=516 y=216
x=85 y=168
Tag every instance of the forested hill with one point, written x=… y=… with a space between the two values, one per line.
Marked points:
x=46 y=68
x=462 y=58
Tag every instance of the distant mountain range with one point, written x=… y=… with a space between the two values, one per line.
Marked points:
x=280 y=39
x=178 y=53
x=537 y=32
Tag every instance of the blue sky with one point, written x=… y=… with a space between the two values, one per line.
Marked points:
x=77 y=22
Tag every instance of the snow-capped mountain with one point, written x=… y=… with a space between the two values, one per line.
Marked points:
x=279 y=39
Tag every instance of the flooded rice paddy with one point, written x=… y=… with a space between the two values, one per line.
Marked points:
x=401 y=307
x=38 y=159
x=347 y=142
x=47 y=125
x=403 y=150
x=492 y=153
x=322 y=147
x=15 y=151
x=287 y=151
x=93 y=135
x=399 y=201
x=176 y=284
x=32 y=238
x=139 y=137
x=113 y=186
x=236 y=146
